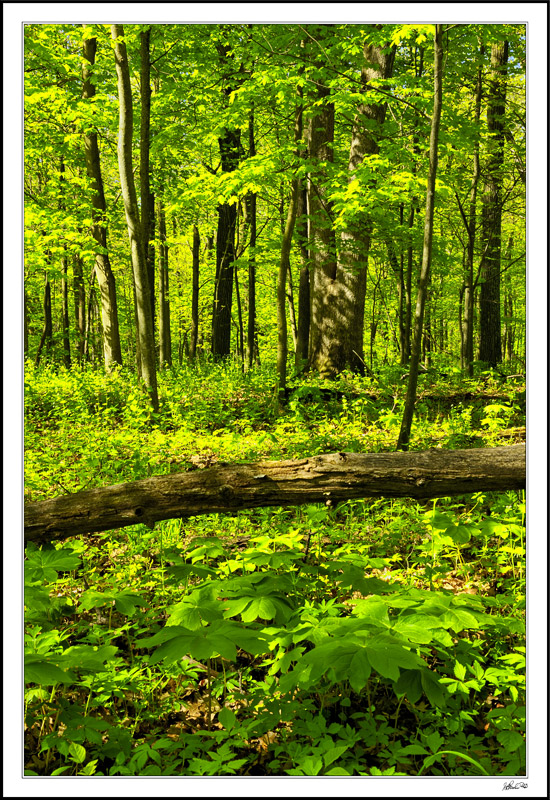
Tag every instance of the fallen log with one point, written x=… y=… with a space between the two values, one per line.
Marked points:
x=320 y=479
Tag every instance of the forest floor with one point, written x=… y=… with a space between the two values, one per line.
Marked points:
x=377 y=637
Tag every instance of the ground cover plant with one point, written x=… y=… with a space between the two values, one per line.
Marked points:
x=377 y=637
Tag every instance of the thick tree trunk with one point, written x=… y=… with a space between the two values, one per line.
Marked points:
x=230 y=151
x=351 y=281
x=139 y=259
x=321 y=479
x=410 y=399
x=323 y=333
x=109 y=312
x=490 y=343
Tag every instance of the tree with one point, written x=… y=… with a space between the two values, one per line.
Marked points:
x=230 y=152
x=349 y=305
x=410 y=398
x=147 y=204
x=109 y=311
x=490 y=342
x=139 y=260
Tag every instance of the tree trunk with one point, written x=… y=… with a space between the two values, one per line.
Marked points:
x=165 y=337
x=79 y=305
x=410 y=399
x=139 y=260
x=195 y=295
x=356 y=240
x=147 y=198
x=282 y=334
x=109 y=312
x=323 y=334
x=304 y=309
x=325 y=479
x=230 y=150
x=490 y=344
x=467 y=322
x=46 y=338
x=64 y=280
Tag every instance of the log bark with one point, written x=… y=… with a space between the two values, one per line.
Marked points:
x=321 y=479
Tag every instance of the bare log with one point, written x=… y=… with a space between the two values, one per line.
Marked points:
x=320 y=479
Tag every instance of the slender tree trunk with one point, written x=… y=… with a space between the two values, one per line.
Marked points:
x=25 y=324
x=79 y=305
x=165 y=338
x=304 y=300
x=195 y=295
x=282 y=335
x=490 y=345
x=291 y=309
x=410 y=399
x=64 y=279
x=467 y=351
x=139 y=259
x=47 y=333
x=65 y=314
x=250 y=209
x=147 y=198
x=109 y=312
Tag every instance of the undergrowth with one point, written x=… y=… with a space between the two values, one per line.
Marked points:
x=377 y=637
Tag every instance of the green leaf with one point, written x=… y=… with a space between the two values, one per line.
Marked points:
x=227 y=718
x=77 y=752
x=459 y=670
x=359 y=670
x=335 y=752
x=42 y=671
x=510 y=740
x=410 y=684
x=432 y=688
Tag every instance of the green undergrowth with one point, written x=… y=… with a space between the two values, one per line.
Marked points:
x=377 y=637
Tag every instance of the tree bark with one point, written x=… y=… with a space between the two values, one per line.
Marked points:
x=147 y=198
x=46 y=338
x=490 y=342
x=230 y=150
x=410 y=399
x=112 y=352
x=195 y=295
x=79 y=305
x=467 y=321
x=320 y=479
x=351 y=284
x=139 y=259
x=165 y=337
x=322 y=335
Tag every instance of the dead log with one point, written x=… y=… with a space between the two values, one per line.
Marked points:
x=320 y=479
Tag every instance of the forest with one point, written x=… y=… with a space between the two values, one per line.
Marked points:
x=274 y=399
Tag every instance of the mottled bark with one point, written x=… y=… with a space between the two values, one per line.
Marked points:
x=112 y=352
x=137 y=250
x=320 y=479
x=490 y=342
x=230 y=151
